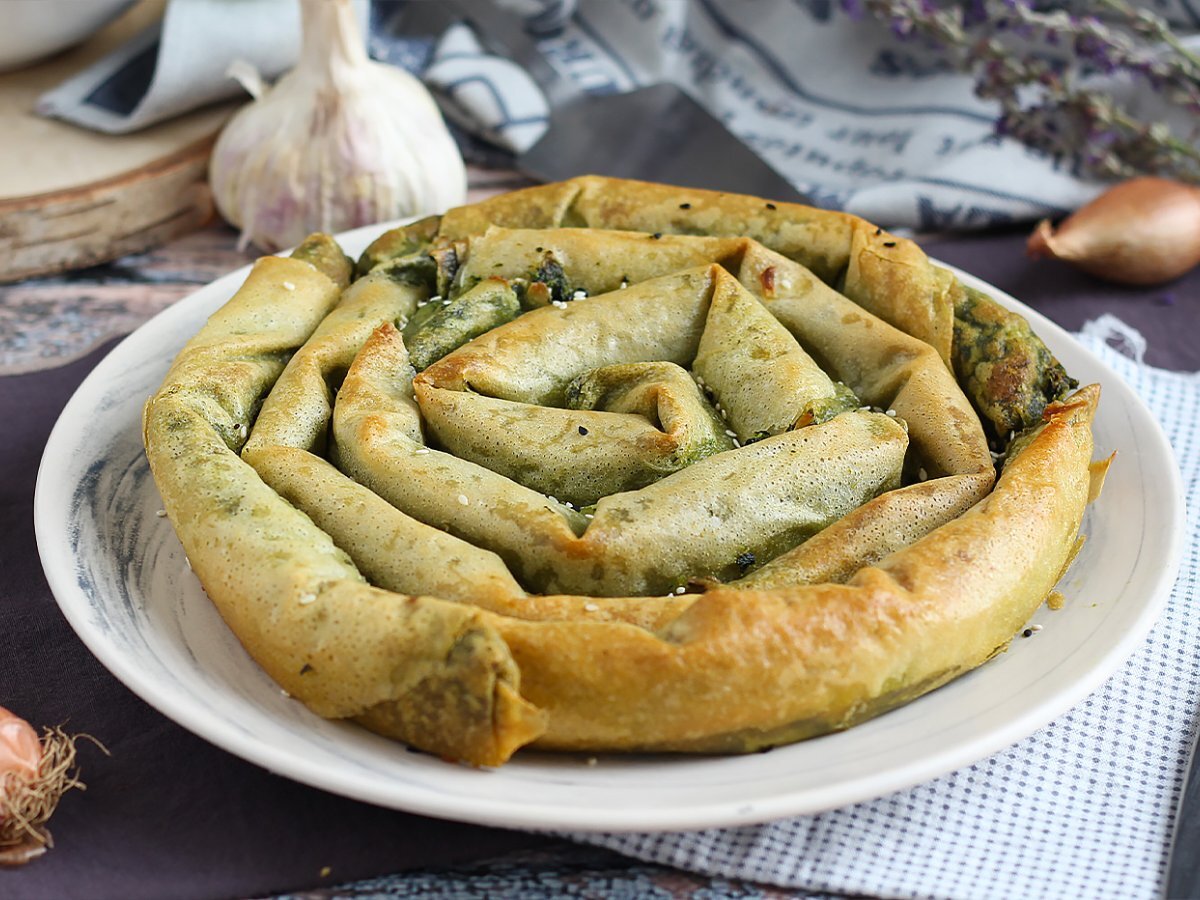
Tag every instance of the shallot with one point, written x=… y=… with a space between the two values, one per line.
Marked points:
x=34 y=774
x=1142 y=231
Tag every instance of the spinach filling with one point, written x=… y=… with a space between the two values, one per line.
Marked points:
x=1003 y=367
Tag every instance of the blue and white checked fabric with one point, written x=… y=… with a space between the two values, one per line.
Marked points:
x=1082 y=808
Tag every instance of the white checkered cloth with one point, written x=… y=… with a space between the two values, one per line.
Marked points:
x=1082 y=808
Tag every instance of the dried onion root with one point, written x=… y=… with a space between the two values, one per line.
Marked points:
x=34 y=775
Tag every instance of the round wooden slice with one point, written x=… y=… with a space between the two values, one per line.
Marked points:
x=70 y=197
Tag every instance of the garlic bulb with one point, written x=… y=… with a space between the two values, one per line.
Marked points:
x=1142 y=231
x=339 y=141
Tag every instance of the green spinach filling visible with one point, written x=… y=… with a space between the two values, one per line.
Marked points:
x=1003 y=367
x=442 y=325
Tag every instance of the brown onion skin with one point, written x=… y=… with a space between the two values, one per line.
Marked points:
x=1144 y=231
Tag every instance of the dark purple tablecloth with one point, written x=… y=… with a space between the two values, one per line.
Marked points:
x=168 y=815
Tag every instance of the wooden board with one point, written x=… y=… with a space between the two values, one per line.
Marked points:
x=70 y=197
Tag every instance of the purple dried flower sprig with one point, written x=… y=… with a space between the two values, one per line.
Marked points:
x=1035 y=65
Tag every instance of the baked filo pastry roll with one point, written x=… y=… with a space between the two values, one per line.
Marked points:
x=1003 y=366
x=546 y=473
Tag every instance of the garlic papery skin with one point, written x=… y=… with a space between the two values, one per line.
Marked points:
x=1143 y=231
x=339 y=141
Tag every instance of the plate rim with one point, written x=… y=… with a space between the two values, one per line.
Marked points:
x=61 y=574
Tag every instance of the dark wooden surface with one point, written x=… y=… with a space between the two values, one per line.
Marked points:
x=52 y=320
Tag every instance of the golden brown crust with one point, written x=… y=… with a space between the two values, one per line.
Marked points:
x=461 y=658
x=883 y=273
x=293 y=598
x=887 y=275
x=833 y=655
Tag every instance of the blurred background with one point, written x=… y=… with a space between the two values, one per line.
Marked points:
x=934 y=119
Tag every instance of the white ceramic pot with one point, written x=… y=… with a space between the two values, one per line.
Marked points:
x=34 y=29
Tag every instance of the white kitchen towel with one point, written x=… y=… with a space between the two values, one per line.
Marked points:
x=1082 y=808
x=855 y=118
x=492 y=97
x=178 y=64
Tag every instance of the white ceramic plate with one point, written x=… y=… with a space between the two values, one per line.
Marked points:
x=122 y=580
